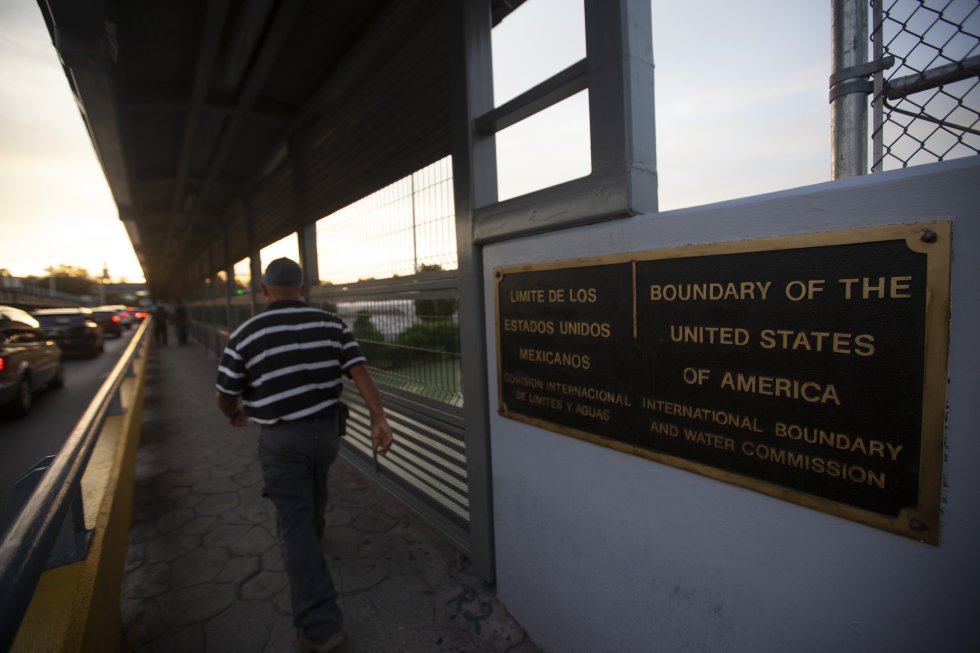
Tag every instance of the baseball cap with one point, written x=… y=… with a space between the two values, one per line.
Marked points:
x=283 y=272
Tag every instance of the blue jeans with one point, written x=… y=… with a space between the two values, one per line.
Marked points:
x=295 y=458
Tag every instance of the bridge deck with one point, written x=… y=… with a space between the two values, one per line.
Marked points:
x=204 y=572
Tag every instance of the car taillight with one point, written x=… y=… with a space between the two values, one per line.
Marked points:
x=115 y=318
x=3 y=363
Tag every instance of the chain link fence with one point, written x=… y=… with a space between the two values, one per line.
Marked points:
x=926 y=103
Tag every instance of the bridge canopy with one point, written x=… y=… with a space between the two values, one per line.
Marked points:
x=223 y=126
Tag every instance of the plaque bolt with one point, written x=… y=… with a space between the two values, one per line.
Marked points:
x=929 y=236
x=917 y=525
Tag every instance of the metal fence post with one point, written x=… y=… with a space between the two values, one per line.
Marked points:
x=877 y=140
x=849 y=108
x=474 y=184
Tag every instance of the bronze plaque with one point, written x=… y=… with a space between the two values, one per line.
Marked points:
x=811 y=368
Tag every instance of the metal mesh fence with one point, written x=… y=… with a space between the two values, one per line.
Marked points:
x=404 y=228
x=927 y=104
x=408 y=330
x=386 y=266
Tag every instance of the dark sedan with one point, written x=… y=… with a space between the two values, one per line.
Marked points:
x=139 y=314
x=74 y=329
x=29 y=361
x=110 y=320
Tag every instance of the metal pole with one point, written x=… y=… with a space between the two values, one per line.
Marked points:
x=849 y=112
x=474 y=184
x=877 y=131
x=415 y=239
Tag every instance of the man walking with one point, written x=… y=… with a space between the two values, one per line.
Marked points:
x=182 y=319
x=160 y=315
x=282 y=370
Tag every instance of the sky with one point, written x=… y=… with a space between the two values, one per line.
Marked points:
x=740 y=94
x=55 y=205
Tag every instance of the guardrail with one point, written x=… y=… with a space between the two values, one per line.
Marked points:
x=15 y=290
x=29 y=540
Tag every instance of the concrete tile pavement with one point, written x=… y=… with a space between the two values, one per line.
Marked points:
x=204 y=572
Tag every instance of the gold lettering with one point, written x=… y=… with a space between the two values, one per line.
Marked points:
x=688 y=292
x=522 y=380
x=533 y=296
x=583 y=295
x=663 y=428
x=856 y=474
x=864 y=345
x=591 y=393
x=877 y=287
x=542 y=400
x=719 y=417
x=818 y=341
x=544 y=327
x=592 y=412
x=576 y=361
x=709 y=335
x=709 y=440
x=834 y=440
x=809 y=391
x=586 y=329
x=899 y=287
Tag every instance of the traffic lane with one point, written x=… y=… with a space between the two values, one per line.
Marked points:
x=25 y=441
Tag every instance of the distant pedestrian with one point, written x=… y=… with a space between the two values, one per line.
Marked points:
x=182 y=319
x=282 y=370
x=160 y=315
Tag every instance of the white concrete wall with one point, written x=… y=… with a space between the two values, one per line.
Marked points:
x=601 y=551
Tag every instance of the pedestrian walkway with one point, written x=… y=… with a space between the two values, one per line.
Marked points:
x=204 y=572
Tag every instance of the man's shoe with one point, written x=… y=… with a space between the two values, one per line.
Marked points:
x=332 y=643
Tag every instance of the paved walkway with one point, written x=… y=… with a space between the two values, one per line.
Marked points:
x=204 y=572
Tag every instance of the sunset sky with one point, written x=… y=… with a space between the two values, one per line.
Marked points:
x=739 y=111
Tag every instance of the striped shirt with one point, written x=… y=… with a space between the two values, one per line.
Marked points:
x=286 y=363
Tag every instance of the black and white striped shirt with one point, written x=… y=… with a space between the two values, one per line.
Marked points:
x=286 y=363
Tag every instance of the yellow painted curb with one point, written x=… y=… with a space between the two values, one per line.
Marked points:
x=77 y=608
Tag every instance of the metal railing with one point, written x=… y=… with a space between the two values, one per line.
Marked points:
x=16 y=290
x=29 y=540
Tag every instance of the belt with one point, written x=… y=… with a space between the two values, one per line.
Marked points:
x=329 y=413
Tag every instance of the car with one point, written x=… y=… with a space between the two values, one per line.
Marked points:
x=74 y=329
x=29 y=361
x=110 y=320
x=139 y=314
x=126 y=318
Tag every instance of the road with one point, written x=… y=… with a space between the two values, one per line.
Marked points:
x=25 y=441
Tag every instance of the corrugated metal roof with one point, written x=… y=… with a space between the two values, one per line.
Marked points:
x=203 y=112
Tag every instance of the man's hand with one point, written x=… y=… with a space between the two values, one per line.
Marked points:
x=381 y=437
x=231 y=408
x=239 y=419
